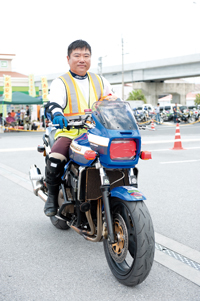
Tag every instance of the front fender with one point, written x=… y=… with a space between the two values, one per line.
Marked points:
x=127 y=193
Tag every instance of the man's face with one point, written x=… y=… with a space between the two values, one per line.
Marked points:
x=79 y=61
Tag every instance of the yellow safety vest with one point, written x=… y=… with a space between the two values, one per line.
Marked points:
x=76 y=103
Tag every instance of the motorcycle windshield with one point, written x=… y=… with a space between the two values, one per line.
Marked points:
x=115 y=115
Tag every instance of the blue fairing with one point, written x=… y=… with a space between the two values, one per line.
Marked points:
x=77 y=148
x=82 y=140
x=103 y=151
x=112 y=121
x=127 y=193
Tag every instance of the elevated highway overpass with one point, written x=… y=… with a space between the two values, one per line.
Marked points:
x=150 y=76
x=155 y=71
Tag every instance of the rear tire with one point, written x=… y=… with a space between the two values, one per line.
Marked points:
x=132 y=220
x=59 y=224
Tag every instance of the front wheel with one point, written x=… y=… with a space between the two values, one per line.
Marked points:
x=130 y=258
x=148 y=121
x=191 y=119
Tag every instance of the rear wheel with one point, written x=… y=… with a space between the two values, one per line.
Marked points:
x=130 y=258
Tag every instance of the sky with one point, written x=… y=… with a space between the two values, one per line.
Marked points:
x=39 y=31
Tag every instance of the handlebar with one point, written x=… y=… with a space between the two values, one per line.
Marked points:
x=76 y=124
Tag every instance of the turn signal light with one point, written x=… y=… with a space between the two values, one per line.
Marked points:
x=145 y=155
x=90 y=155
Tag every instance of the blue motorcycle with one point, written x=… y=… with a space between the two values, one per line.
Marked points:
x=99 y=196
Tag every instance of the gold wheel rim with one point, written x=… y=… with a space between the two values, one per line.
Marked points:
x=119 y=245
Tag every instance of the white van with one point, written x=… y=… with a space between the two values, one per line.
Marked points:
x=169 y=107
x=149 y=107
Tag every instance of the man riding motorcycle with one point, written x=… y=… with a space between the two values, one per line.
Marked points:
x=70 y=95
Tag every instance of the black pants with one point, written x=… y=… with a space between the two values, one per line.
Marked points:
x=61 y=146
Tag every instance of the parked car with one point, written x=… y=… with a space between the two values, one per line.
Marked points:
x=145 y=107
x=139 y=109
x=192 y=107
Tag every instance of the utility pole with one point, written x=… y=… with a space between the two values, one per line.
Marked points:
x=122 y=69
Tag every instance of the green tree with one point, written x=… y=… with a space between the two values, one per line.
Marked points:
x=197 y=99
x=136 y=95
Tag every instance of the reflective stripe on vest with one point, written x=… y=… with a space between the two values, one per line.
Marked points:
x=76 y=103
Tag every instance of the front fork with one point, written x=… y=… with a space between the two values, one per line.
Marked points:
x=105 y=190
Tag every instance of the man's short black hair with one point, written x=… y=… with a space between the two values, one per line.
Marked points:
x=78 y=44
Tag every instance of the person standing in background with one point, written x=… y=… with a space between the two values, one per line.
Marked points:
x=12 y=114
x=157 y=111
x=175 y=113
x=22 y=113
x=28 y=112
x=42 y=116
x=18 y=114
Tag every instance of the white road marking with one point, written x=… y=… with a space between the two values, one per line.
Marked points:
x=5 y=150
x=184 y=161
x=16 y=176
x=178 y=267
x=170 y=149
x=166 y=141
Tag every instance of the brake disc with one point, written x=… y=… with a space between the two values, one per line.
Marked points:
x=118 y=250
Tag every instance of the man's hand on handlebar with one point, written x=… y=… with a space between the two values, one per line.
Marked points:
x=60 y=120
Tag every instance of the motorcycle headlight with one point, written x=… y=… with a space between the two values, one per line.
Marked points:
x=122 y=149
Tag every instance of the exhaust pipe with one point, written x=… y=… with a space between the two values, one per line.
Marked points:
x=36 y=180
x=42 y=195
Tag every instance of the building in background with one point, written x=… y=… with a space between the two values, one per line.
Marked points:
x=19 y=81
x=168 y=99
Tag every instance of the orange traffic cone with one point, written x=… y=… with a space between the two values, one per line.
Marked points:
x=177 y=141
x=152 y=125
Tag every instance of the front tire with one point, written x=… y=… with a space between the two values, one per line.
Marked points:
x=148 y=121
x=131 y=257
x=191 y=119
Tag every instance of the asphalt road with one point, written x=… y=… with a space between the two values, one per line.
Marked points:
x=40 y=262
